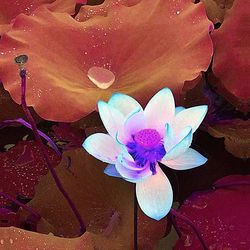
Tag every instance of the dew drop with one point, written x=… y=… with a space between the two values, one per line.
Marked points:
x=101 y=77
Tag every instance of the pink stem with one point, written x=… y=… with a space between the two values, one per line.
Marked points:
x=41 y=145
x=191 y=224
x=27 y=208
x=26 y=124
x=174 y=223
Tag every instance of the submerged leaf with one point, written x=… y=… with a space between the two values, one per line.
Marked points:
x=105 y=203
x=68 y=137
x=222 y=216
x=21 y=166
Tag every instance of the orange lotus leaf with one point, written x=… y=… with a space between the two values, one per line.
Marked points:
x=131 y=46
x=216 y=9
x=14 y=238
x=11 y=8
x=231 y=63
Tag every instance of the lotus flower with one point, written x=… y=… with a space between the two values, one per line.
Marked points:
x=138 y=139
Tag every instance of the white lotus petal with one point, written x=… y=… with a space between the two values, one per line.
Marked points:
x=171 y=139
x=189 y=117
x=112 y=118
x=103 y=147
x=129 y=171
x=135 y=123
x=160 y=110
x=124 y=103
x=190 y=159
x=155 y=195
x=179 y=109
x=181 y=146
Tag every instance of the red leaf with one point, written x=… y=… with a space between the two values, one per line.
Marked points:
x=21 y=168
x=222 y=215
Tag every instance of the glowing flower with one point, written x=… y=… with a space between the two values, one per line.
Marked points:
x=138 y=139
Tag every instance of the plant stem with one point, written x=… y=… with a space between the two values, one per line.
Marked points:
x=46 y=158
x=174 y=223
x=135 y=222
x=27 y=208
x=191 y=224
x=26 y=124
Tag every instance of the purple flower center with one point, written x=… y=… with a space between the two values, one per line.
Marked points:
x=146 y=148
x=147 y=138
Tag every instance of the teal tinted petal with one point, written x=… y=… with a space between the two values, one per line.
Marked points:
x=179 y=109
x=129 y=171
x=124 y=103
x=110 y=170
x=182 y=145
x=189 y=117
x=190 y=159
x=103 y=147
x=155 y=195
x=160 y=110
x=112 y=118
x=135 y=123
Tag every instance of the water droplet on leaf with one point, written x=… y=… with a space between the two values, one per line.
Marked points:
x=101 y=77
